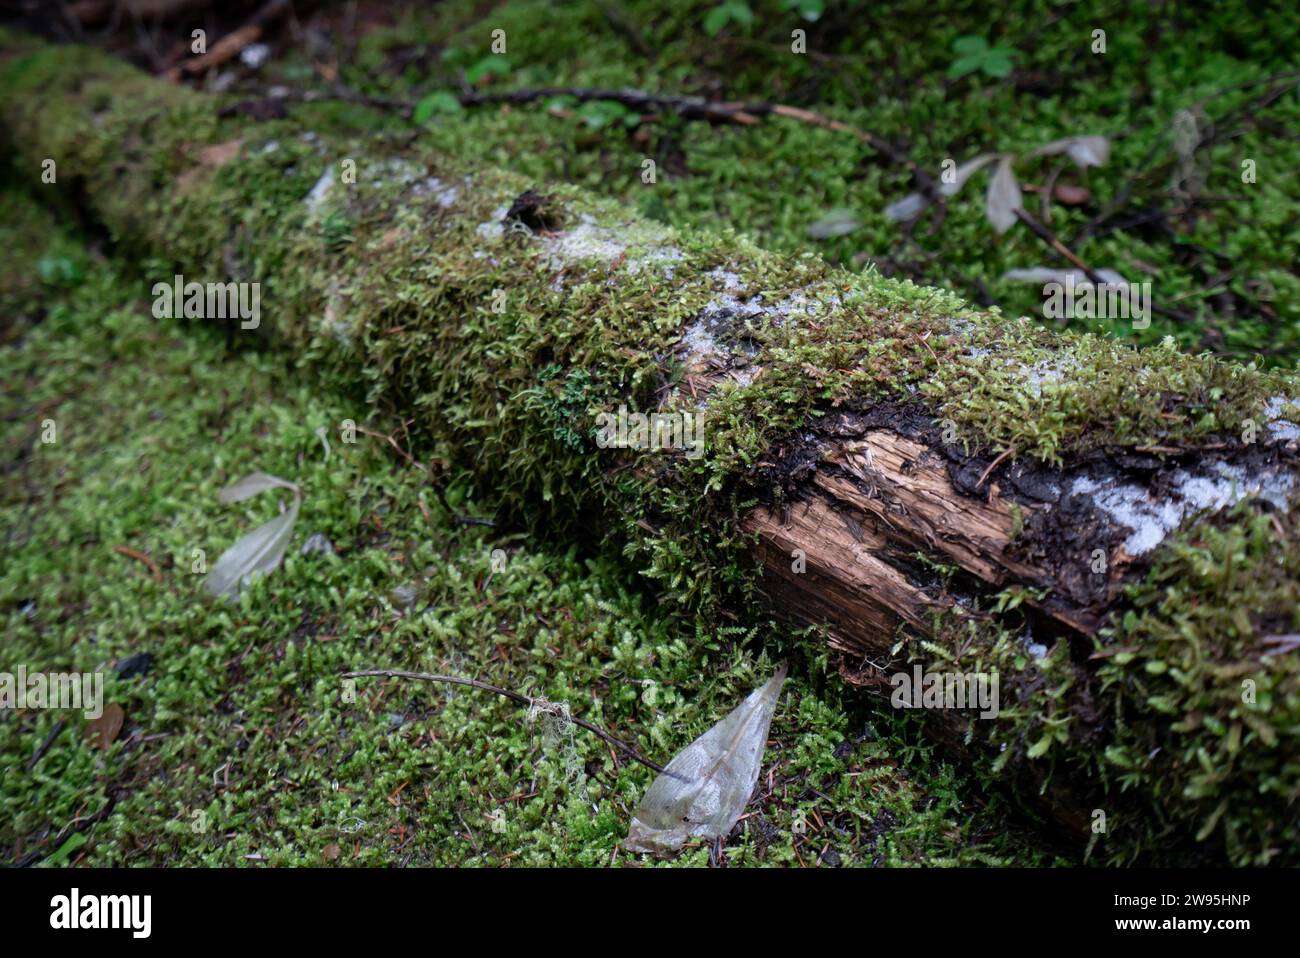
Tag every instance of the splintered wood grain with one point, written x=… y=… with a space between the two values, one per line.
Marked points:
x=904 y=485
x=875 y=499
x=845 y=585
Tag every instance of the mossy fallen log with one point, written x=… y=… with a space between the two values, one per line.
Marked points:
x=1108 y=530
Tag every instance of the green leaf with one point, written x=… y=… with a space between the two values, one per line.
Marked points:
x=497 y=66
x=740 y=13
x=599 y=113
x=58 y=270
x=965 y=65
x=970 y=45
x=74 y=842
x=810 y=10
x=998 y=66
x=441 y=101
x=718 y=18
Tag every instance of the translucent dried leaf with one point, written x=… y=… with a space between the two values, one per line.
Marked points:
x=838 y=222
x=1049 y=274
x=103 y=731
x=912 y=205
x=1085 y=151
x=251 y=485
x=261 y=550
x=1004 y=196
x=704 y=789
x=963 y=173
x=908 y=208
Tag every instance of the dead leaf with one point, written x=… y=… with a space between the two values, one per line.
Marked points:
x=963 y=173
x=330 y=853
x=703 y=790
x=838 y=222
x=262 y=550
x=103 y=731
x=1084 y=151
x=1004 y=196
x=912 y=205
x=1071 y=195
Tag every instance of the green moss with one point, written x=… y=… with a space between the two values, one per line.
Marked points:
x=239 y=747
x=419 y=297
x=884 y=71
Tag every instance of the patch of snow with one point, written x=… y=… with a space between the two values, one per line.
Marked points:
x=1051 y=369
x=1150 y=521
x=730 y=281
x=492 y=229
x=585 y=241
x=699 y=344
x=664 y=256
x=393 y=170
x=1036 y=649
x=1281 y=429
x=316 y=198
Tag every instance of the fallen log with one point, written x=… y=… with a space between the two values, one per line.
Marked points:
x=1107 y=530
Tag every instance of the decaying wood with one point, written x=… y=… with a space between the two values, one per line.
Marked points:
x=849 y=540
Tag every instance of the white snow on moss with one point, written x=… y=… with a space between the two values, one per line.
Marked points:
x=1149 y=520
x=1050 y=370
x=492 y=230
x=1283 y=430
x=444 y=194
x=586 y=241
x=699 y=344
x=316 y=198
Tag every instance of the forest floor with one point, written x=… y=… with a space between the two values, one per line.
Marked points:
x=236 y=745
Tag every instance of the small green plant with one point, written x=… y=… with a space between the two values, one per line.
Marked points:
x=58 y=270
x=974 y=53
x=601 y=113
x=810 y=10
x=438 y=102
x=489 y=68
x=730 y=11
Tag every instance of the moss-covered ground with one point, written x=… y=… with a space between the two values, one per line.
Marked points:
x=1220 y=253
x=1172 y=666
x=238 y=746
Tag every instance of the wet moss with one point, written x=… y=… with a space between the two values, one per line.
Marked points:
x=505 y=345
x=240 y=746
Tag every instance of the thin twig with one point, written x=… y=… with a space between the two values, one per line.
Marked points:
x=45 y=746
x=437 y=489
x=1050 y=238
x=518 y=698
x=78 y=825
x=393 y=442
x=141 y=557
x=994 y=464
x=687 y=107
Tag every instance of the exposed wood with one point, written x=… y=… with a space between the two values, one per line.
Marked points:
x=860 y=506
